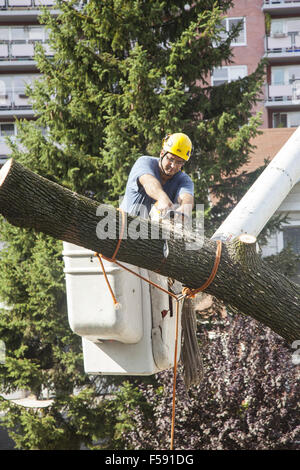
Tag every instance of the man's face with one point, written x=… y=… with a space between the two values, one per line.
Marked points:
x=171 y=164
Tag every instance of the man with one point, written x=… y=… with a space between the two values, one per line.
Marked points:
x=161 y=181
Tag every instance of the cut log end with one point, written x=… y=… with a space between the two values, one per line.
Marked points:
x=247 y=238
x=244 y=250
x=5 y=170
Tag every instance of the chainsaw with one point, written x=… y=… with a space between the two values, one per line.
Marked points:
x=171 y=215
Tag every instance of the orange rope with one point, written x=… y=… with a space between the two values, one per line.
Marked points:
x=138 y=275
x=99 y=256
x=186 y=293
x=174 y=376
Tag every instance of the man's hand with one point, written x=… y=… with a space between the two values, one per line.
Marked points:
x=154 y=189
x=163 y=203
x=186 y=204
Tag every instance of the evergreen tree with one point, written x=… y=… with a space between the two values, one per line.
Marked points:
x=123 y=74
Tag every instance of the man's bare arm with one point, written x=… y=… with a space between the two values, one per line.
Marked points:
x=186 y=204
x=154 y=190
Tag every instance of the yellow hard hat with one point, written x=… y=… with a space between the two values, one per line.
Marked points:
x=179 y=144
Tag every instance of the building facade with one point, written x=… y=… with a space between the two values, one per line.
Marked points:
x=269 y=29
x=20 y=31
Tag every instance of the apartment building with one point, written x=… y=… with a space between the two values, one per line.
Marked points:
x=20 y=31
x=270 y=29
x=282 y=48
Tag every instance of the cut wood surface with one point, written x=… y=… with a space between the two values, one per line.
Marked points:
x=242 y=281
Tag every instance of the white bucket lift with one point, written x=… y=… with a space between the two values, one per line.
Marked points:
x=135 y=339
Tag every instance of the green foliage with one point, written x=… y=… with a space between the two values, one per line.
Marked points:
x=120 y=416
x=123 y=74
x=32 y=284
x=285 y=262
x=80 y=420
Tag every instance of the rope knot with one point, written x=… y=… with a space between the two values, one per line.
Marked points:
x=187 y=292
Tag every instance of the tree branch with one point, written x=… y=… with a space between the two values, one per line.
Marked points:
x=243 y=280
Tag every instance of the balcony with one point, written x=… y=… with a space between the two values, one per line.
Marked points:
x=25 y=3
x=285 y=96
x=20 y=10
x=16 y=54
x=279 y=7
x=14 y=100
x=15 y=103
x=14 y=50
x=284 y=48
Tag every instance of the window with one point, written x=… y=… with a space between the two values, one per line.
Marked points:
x=37 y=34
x=7 y=129
x=19 y=3
x=278 y=76
x=23 y=34
x=285 y=75
x=291 y=236
x=219 y=76
x=5 y=92
x=284 y=34
x=13 y=90
x=4 y=34
x=280 y=120
x=229 y=23
x=285 y=26
x=278 y=28
x=228 y=74
x=17 y=33
x=293 y=73
x=44 y=2
x=285 y=84
x=291 y=119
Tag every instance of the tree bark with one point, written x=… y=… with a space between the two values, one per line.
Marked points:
x=242 y=281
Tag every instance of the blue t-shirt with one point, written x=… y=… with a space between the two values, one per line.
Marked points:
x=136 y=201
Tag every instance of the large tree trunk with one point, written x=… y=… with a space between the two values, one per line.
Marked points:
x=243 y=280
